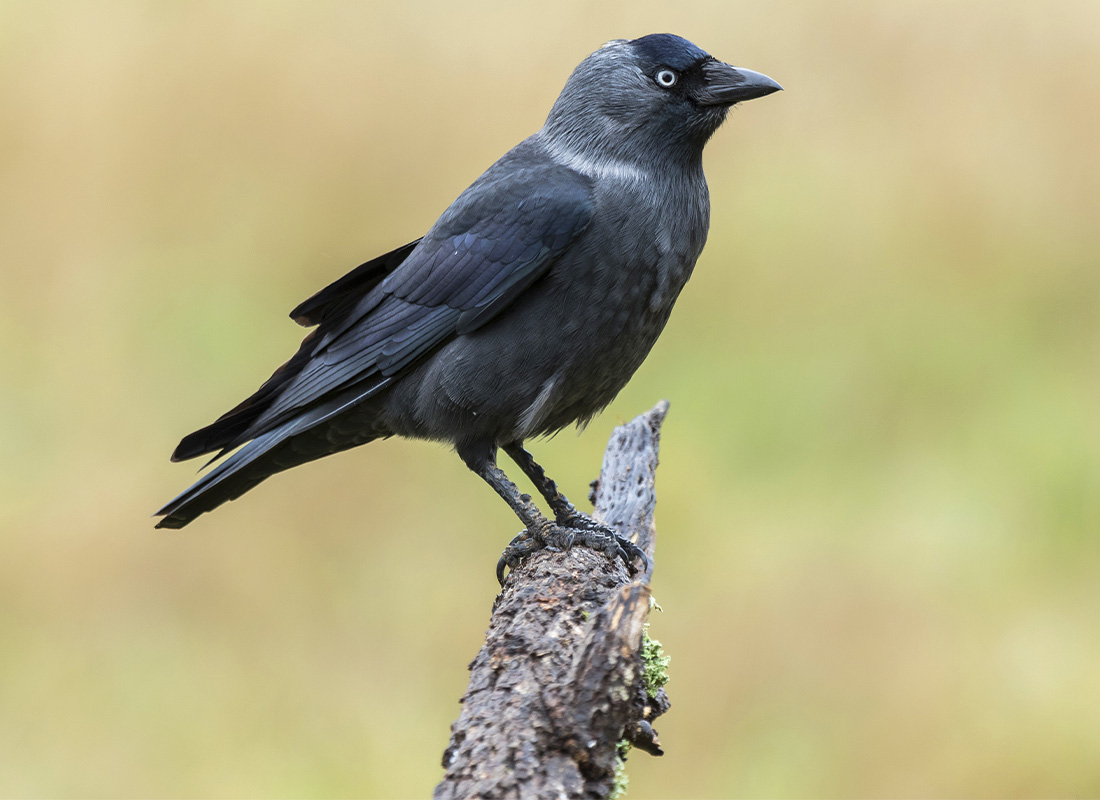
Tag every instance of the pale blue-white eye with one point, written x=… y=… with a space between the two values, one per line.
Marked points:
x=666 y=78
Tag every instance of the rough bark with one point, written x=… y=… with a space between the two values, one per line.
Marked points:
x=559 y=680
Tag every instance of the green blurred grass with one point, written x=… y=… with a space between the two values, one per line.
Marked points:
x=879 y=491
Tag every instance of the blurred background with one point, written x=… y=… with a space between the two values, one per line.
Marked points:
x=880 y=489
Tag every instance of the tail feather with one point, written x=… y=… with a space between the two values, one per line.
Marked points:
x=326 y=309
x=339 y=424
x=234 y=426
x=243 y=470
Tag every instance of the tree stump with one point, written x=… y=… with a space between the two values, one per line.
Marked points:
x=560 y=681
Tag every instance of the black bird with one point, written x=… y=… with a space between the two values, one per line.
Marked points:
x=524 y=309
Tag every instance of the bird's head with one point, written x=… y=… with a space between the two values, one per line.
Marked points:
x=657 y=92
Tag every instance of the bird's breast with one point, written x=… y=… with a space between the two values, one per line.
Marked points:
x=618 y=287
x=646 y=239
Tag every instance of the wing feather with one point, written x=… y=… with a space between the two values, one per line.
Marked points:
x=498 y=238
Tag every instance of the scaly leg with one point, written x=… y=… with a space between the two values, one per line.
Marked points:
x=593 y=533
x=571 y=528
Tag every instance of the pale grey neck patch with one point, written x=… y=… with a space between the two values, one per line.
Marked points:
x=595 y=167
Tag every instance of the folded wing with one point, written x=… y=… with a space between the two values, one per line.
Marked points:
x=378 y=321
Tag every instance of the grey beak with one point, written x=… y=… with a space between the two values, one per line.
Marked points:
x=727 y=85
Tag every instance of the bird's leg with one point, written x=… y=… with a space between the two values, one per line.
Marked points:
x=540 y=532
x=590 y=532
x=564 y=511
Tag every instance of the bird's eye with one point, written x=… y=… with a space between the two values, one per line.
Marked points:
x=666 y=78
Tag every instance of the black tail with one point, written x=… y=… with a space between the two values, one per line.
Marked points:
x=327 y=309
x=275 y=446
x=242 y=471
x=340 y=424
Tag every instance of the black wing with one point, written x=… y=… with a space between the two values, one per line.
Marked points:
x=498 y=238
x=341 y=295
x=327 y=307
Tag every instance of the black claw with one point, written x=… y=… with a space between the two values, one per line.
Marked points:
x=576 y=529
x=625 y=549
x=523 y=544
x=634 y=552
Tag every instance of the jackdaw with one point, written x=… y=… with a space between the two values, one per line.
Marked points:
x=524 y=309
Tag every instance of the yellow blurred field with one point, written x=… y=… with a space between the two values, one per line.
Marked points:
x=880 y=491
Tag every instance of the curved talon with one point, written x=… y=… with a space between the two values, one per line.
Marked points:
x=635 y=552
x=522 y=545
x=629 y=552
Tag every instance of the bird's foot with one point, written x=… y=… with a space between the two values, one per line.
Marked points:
x=575 y=529
x=620 y=546
x=548 y=536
